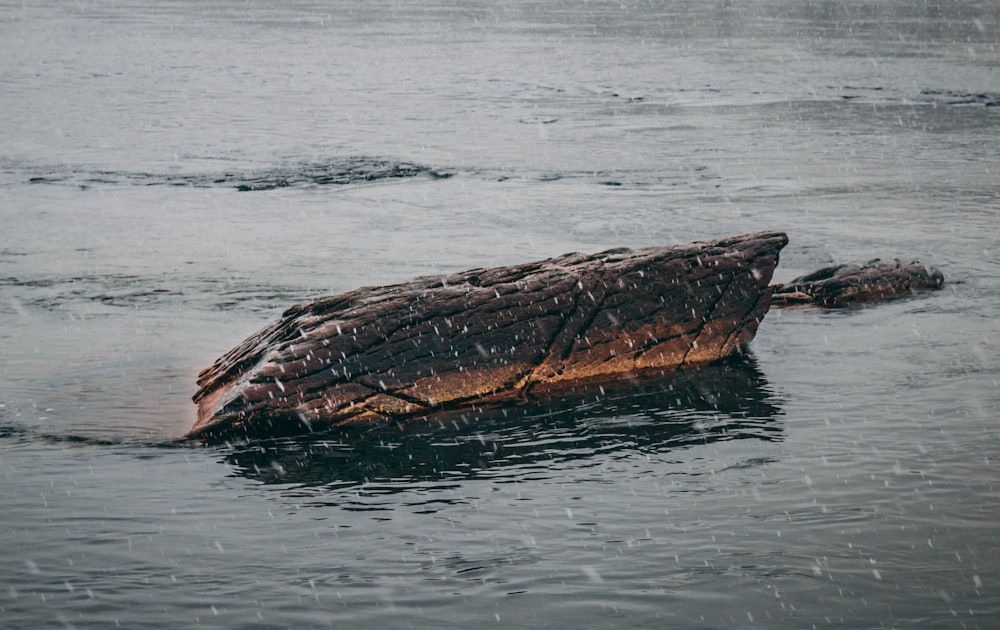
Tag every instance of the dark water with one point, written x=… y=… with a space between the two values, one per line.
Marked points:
x=173 y=175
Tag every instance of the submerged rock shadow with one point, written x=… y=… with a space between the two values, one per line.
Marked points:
x=342 y=171
x=711 y=404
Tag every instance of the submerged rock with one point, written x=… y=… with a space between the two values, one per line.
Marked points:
x=489 y=336
x=849 y=284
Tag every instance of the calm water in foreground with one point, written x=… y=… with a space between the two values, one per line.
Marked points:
x=173 y=175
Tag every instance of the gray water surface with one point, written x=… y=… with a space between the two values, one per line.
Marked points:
x=174 y=175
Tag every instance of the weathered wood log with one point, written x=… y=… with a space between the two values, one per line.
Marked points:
x=488 y=336
x=849 y=284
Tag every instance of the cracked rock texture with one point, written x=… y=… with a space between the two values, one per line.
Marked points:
x=489 y=336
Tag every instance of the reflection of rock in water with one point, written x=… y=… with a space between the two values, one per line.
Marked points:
x=714 y=403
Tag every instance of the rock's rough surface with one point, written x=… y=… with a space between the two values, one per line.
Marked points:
x=849 y=284
x=487 y=336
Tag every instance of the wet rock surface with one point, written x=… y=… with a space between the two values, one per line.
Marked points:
x=851 y=284
x=489 y=336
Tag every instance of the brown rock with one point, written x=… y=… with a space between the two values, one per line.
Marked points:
x=845 y=285
x=489 y=336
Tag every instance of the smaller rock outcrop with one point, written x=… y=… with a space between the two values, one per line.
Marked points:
x=850 y=284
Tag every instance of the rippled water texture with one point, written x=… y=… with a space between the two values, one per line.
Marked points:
x=173 y=175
